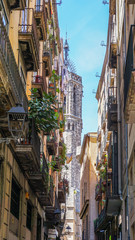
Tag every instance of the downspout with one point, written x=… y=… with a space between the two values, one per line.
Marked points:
x=119 y=109
x=126 y=134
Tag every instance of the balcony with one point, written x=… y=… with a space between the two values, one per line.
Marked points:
x=53 y=219
x=110 y=148
x=112 y=6
x=60 y=147
x=48 y=8
x=16 y=4
x=113 y=56
x=52 y=88
x=61 y=192
x=46 y=197
x=130 y=1
x=101 y=222
x=47 y=58
x=38 y=179
x=11 y=86
x=53 y=47
x=113 y=205
x=51 y=144
x=129 y=79
x=103 y=119
x=27 y=151
x=41 y=20
x=112 y=108
x=98 y=192
x=28 y=39
x=39 y=83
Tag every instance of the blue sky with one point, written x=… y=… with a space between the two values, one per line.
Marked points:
x=86 y=22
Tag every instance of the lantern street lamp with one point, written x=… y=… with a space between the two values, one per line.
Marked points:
x=16 y=122
x=68 y=228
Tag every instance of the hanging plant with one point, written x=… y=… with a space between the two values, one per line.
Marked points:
x=43 y=111
x=54 y=77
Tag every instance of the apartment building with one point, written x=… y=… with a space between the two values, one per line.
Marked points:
x=116 y=90
x=107 y=224
x=88 y=180
x=32 y=152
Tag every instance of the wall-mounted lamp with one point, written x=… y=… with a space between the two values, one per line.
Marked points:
x=97 y=75
x=16 y=122
x=103 y=44
x=105 y=2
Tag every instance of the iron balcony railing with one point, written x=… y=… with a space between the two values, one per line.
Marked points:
x=100 y=219
x=103 y=116
x=47 y=50
x=43 y=163
x=112 y=97
x=27 y=25
x=39 y=80
x=39 y=9
x=130 y=62
x=11 y=68
x=33 y=139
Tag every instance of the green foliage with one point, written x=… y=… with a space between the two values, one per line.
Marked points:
x=43 y=111
x=63 y=157
x=54 y=77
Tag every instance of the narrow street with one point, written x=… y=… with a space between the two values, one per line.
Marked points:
x=67 y=120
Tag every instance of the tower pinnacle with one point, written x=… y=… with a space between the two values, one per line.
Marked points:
x=66 y=49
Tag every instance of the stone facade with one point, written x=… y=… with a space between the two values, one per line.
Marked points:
x=72 y=139
x=88 y=180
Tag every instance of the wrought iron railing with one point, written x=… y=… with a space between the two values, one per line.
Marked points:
x=9 y=62
x=27 y=25
x=43 y=163
x=41 y=8
x=130 y=62
x=33 y=139
x=47 y=50
x=100 y=219
x=103 y=116
x=39 y=80
x=112 y=97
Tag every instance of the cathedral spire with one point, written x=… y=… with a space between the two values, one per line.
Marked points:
x=66 y=49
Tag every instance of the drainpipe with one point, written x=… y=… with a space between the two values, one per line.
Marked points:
x=126 y=136
x=119 y=114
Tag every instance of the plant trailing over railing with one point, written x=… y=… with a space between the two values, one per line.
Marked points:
x=54 y=77
x=43 y=111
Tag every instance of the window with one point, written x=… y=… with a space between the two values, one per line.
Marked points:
x=82 y=196
x=74 y=101
x=126 y=215
x=29 y=215
x=68 y=126
x=15 y=199
x=86 y=227
x=73 y=127
x=38 y=227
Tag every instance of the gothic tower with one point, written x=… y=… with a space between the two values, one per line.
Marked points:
x=72 y=139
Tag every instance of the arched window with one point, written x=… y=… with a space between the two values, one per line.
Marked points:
x=74 y=100
x=68 y=126
x=73 y=127
x=74 y=95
